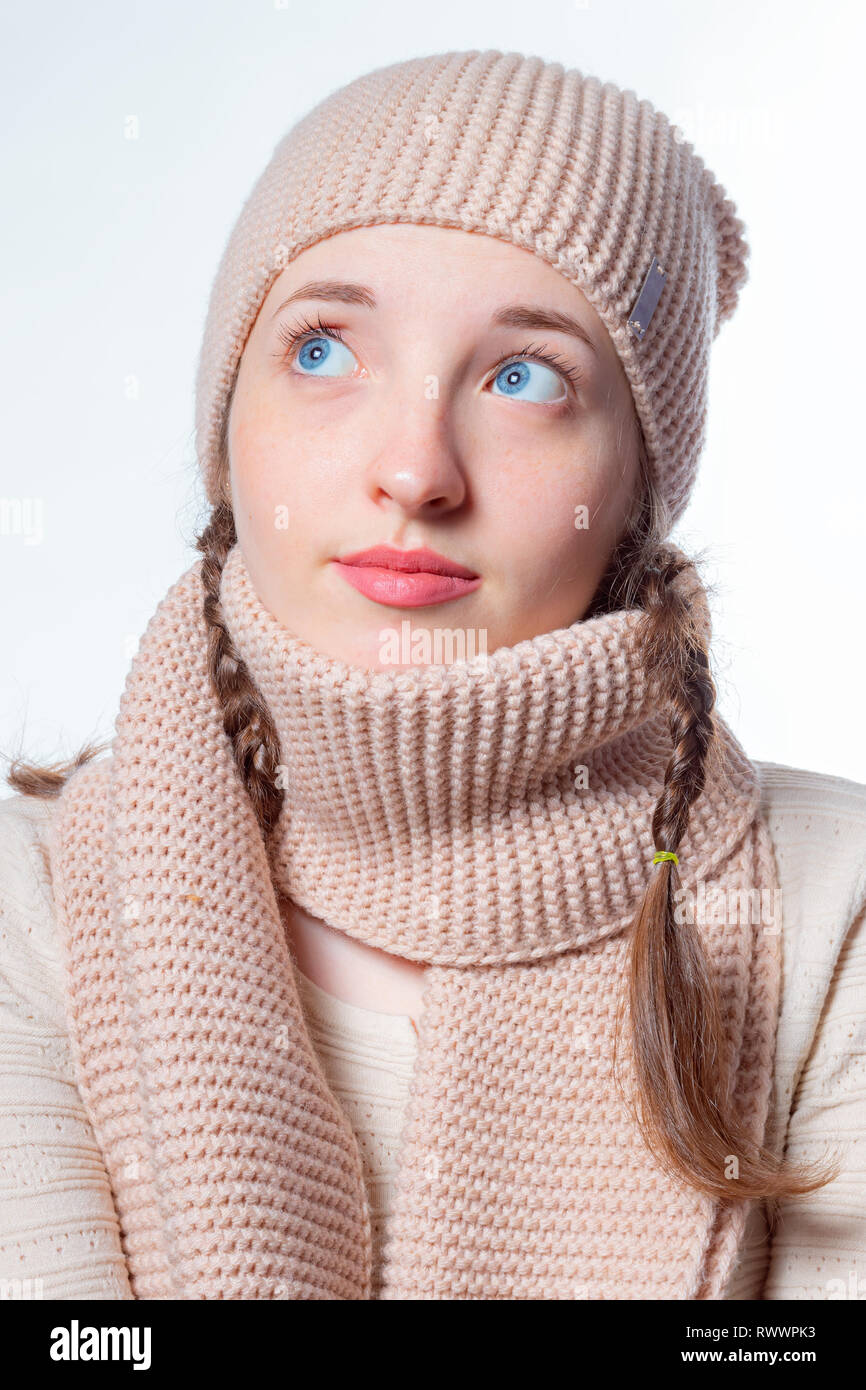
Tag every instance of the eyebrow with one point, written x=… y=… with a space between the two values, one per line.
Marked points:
x=536 y=316
x=337 y=291
x=512 y=316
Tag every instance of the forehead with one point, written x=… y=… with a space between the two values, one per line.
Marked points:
x=409 y=263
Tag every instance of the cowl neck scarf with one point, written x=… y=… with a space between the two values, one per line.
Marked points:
x=489 y=817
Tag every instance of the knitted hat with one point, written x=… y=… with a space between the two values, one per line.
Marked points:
x=597 y=183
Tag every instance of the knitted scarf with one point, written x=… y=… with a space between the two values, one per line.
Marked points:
x=491 y=818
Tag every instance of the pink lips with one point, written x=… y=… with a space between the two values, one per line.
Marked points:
x=406 y=578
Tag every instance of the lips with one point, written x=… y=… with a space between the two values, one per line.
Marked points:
x=406 y=578
x=407 y=561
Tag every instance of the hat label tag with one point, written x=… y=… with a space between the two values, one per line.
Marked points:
x=645 y=304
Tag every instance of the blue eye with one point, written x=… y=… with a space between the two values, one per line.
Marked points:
x=544 y=384
x=324 y=357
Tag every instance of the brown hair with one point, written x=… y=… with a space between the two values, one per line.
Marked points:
x=687 y=1108
x=685 y=1112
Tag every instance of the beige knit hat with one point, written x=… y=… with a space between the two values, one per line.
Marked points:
x=597 y=183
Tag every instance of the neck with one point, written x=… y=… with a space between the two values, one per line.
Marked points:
x=355 y=972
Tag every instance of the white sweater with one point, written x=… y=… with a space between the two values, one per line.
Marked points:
x=368 y=1058
x=59 y=1234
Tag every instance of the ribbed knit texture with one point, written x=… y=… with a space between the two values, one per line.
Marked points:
x=235 y=1172
x=581 y=173
x=368 y=1058
x=429 y=809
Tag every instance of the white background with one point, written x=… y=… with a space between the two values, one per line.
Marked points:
x=110 y=244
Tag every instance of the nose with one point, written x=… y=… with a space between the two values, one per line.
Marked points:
x=417 y=468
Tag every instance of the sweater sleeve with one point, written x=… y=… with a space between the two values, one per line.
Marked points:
x=818 y=1246
x=59 y=1233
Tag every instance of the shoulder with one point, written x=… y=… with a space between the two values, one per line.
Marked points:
x=798 y=796
x=29 y=950
x=817 y=823
x=59 y=1232
x=813 y=803
x=24 y=825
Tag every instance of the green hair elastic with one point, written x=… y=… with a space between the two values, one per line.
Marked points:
x=662 y=854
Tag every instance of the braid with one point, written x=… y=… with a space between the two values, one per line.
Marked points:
x=246 y=718
x=674 y=650
x=686 y=1110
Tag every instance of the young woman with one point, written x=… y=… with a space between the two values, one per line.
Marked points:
x=427 y=934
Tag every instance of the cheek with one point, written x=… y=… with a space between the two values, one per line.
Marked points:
x=260 y=458
x=282 y=475
x=556 y=505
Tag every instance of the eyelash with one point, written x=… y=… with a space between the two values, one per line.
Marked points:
x=540 y=354
x=292 y=338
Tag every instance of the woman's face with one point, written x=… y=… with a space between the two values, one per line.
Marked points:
x=420 y=413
